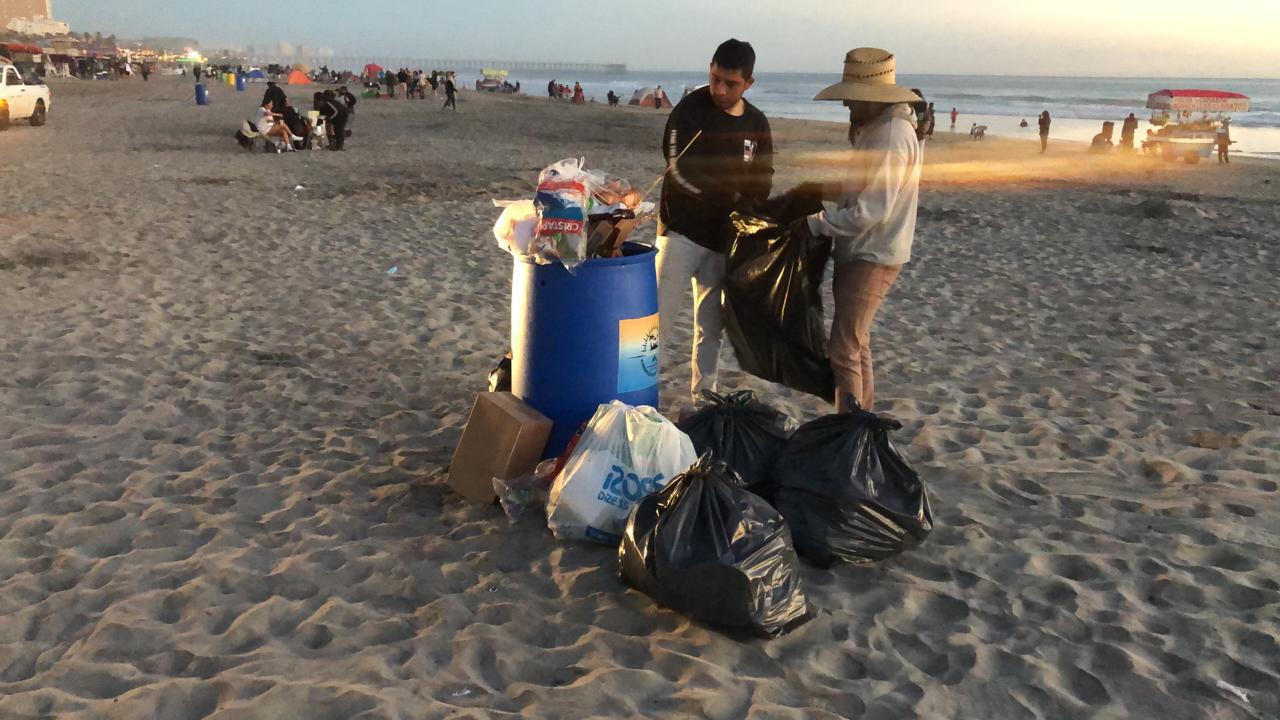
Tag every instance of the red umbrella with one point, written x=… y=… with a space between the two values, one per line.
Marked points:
x=372 y=69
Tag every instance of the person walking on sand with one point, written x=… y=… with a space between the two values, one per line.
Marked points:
x=657 y=97
x=450 y=91
x=955 y=114
x=1045 y=122
x=873 y=217
x=719 y=154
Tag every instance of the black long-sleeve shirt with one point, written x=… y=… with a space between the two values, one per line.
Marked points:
x=729 y=165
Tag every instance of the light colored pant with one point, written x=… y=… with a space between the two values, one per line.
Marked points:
x=684 y=265
x=859 y=288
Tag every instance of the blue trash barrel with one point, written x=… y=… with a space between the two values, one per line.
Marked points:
x=202 y=94
x=240 y=83
x=586 y=338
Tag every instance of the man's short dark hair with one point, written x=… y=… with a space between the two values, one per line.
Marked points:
x=733 y=54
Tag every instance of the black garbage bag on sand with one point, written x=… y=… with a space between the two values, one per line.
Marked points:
x=846 y=492
x=772 y=305
x=705 y=546
x=743 y=432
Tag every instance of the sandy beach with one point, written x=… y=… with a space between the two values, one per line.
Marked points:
x=224 y=428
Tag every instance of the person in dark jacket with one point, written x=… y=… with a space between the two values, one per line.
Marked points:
x=450 y=92
x=719 y=153
x=1045 y=122
x=297 y=125
x=1127 y=131
x=276 y=96
x=348 y=99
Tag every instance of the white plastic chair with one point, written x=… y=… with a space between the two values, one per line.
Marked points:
x=319 y=133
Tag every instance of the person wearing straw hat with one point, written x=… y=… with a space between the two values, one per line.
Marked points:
x=871 y=216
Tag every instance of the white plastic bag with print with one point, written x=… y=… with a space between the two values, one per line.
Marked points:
x=625 y=453
x=563 y=201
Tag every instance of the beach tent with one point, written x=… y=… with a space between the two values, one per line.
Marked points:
x=372 y=70
x=297 y=77
x=255 y=74
x=644 y=98
x=1198 y=101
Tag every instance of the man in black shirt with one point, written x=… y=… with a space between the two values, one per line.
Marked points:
x=727 y=163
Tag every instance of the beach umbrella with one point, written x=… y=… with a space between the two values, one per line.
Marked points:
x=372 y=69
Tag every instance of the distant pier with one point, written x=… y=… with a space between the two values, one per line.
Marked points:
x=356 y=64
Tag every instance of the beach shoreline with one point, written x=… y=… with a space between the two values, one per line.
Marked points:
x=224 y=429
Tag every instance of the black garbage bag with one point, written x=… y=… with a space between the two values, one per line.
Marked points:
x=772 y=304
x=847 y=493
x=743 y=432
x=705 y=546
x=500 y=376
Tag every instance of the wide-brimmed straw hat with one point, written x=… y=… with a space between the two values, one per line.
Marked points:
x=868 y=76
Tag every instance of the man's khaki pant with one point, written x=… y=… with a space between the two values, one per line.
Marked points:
x=859 y=288
x=685 y=266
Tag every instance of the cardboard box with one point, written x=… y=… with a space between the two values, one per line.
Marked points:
x=504 y=438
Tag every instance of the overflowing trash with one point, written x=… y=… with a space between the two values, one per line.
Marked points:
x=772 y=304
x=743 y=432
x=847 y=493
x=706 y=546
x=625 y=453
x=576 y=214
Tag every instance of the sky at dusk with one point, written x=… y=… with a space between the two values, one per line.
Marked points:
x=1193 y=38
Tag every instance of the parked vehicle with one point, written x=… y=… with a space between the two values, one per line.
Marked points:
x=23 y=96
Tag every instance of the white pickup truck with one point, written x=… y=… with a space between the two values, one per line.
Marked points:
x=22 y=98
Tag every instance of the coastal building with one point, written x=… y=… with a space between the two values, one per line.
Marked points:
x=31 y=17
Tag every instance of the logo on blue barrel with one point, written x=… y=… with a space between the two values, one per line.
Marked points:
x=637 y=353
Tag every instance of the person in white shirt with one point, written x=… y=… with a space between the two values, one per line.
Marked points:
x=871 y=216
x=268 y=124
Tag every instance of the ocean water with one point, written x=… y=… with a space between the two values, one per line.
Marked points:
x=1078 y=105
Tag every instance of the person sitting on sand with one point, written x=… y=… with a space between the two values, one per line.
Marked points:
x=873 y=218
x=268 y=125
x=1023 y=123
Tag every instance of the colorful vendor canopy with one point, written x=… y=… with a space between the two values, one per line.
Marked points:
x=493 y=74
x=372 y=69
x=1198 y=101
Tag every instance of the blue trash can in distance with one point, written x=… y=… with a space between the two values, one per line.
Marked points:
x=202 y=94
x=240 y=83
x=585 y=338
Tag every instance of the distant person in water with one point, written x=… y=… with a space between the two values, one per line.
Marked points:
x=1045 y=122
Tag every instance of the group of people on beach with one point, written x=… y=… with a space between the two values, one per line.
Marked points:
x=719 y=153
x=413 y=84
x=279 y=121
